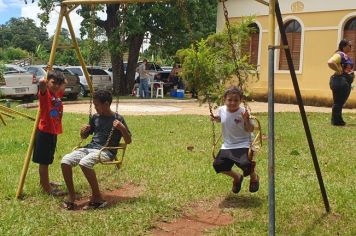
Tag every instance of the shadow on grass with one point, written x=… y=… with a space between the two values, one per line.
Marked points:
x=311 y=227
x=241 y=201
x=112 y=201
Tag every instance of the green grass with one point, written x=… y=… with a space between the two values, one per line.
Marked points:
x=173 y=178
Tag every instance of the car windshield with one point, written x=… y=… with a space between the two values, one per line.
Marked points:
x=96 y=71
x=13 y=69
x=64 y=71
x=77 y=71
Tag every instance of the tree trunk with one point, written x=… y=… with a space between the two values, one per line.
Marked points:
x=112 y=22
x=117 y=63
x=135 y=43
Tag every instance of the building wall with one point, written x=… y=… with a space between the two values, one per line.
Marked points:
x=321 y=31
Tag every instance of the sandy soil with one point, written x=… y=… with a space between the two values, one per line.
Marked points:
x=180 y=107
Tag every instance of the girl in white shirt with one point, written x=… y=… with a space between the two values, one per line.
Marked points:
x=236 y=133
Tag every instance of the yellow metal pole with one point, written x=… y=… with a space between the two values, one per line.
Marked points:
x=79 y=55
x=6 y=114
x=9 y=110
x=2 y=119
x=33 y=135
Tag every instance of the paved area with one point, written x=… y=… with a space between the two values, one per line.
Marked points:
x=180 y=107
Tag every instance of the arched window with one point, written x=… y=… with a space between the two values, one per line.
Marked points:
x=350 y=34
x=294 y=34
x=251 y=46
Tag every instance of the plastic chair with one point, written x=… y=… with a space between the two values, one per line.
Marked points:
x=159 y=92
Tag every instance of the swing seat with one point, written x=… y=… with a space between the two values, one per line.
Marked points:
x=116 y=161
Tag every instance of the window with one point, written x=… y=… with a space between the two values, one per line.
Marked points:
x=350 y=34
x=293 y=31
x=251 y=46
x=77 y=71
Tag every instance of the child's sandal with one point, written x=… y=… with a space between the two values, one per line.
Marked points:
x=95 y=205
x=57 y=192
x=254 y=185
x=236 y=187
x=68 y=205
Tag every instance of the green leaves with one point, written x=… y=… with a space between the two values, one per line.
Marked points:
x=209 y=65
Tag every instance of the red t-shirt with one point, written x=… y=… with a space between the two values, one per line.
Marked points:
x=51 y=112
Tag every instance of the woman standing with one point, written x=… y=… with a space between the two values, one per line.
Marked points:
x=341 y=80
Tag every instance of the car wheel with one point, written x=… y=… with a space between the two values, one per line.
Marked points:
x=83 y=93
x=28 y=98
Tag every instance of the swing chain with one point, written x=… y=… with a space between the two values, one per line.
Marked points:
x=231 y=43
x=91 y=35
x=212 y=122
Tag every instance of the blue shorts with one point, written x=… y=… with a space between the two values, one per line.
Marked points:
x=227 y=158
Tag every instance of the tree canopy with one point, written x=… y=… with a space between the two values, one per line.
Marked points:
x=126 y=26
x=23 y=33
x=209 y=66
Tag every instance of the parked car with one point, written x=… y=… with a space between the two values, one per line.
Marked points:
x=73 y=86
x=18 y=83
x=109 y=71
x=167 y=68
x=100 y=79
x=154 y=69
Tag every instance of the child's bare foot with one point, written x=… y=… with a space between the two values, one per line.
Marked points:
x=254 y=184
x=236 y=185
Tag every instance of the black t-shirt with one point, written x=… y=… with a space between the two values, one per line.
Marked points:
x=100 y=127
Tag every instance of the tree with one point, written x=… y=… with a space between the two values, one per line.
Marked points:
x=23 y=33
x=127 y=24
x=209 y=66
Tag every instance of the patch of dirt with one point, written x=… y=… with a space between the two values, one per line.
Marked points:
x=195 y=220
x=125 y=193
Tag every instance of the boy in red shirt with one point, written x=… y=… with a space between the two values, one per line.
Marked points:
x=50 y=125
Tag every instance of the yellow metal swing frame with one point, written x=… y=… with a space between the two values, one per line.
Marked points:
x=67 y=6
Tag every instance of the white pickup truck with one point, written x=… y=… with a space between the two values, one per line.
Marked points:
x=18 y=83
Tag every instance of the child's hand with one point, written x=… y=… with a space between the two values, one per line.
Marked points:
x=246 y=116
x=42 y=85
x=215 y=118
x=118 y=125
x=84 y=131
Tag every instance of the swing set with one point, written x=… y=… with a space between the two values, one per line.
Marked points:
x=8 y=112
x=67 y=6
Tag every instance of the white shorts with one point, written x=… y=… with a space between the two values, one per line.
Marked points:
x=86 y=157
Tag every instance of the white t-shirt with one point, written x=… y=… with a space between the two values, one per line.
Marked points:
x=141 y=69
x=233 y=129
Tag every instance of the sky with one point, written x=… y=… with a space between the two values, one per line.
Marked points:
x=18 y=8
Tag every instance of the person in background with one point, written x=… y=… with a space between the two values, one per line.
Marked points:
x=144 y=77
x=341 y=80
x=174 y=77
